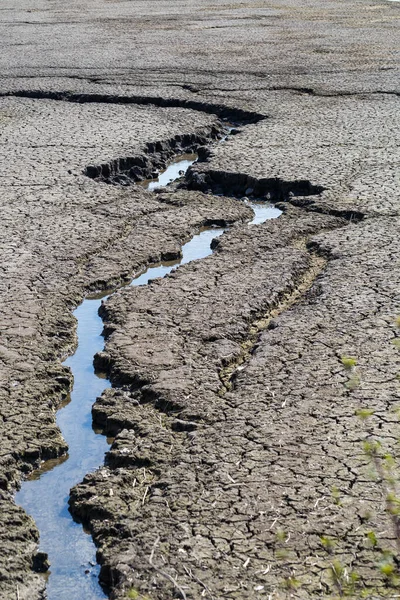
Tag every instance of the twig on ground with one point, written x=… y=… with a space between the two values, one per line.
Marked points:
x=193 y=576
x=163 y=573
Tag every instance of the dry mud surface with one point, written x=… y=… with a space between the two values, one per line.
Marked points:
x=238 y=468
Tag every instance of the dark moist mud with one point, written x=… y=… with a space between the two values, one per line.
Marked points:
x=71 y=551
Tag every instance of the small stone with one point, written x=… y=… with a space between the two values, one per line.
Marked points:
x=41 y=562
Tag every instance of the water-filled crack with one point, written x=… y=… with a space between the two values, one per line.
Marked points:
x=154 y=156
x=74 y=572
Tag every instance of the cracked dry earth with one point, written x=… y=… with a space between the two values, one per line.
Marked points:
x=238 y=468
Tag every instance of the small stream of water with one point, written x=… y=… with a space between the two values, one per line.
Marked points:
x=74 y=572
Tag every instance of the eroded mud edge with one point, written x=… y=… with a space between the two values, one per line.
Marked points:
x=153 y=157
x=300 y=193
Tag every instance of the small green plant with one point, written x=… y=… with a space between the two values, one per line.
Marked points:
x=336 y=496
x=393 y=504
x=327 y=543
x=364 y=413
x=372 y=539
x=387 y=569
x=349 y=362
x=346 y=583
x=280 y=535
x=291 y=583
x=337 y=573
x=134 y=594
x=281 y=553
x=354 y=577
x=371 y=447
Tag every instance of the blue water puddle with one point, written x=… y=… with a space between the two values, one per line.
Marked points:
x=174 y=171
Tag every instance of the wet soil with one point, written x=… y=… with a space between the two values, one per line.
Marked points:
x=238 y=467
x=71 y=553
x=44 y=495
x=136 y=229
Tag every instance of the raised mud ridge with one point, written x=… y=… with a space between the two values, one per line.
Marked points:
x=142 y=387
x=317 y=264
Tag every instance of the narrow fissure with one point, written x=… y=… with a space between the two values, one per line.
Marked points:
x=222 y=111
